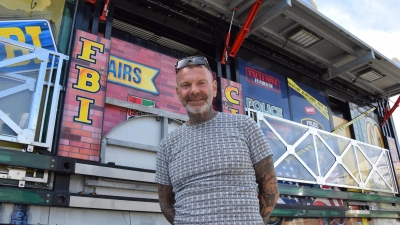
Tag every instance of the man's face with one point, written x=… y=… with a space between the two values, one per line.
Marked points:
x=196 y=89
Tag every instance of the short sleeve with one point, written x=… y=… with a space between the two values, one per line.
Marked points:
x=257 y=142
x=162 y=173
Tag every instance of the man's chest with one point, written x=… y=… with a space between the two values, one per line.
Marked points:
x=208 y=154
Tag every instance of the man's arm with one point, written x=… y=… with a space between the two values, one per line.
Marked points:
x=167 y=201
x=267 y=185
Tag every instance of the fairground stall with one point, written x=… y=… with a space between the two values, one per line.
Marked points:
x=87 y=93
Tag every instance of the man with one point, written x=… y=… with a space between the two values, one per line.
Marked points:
x=208 y=170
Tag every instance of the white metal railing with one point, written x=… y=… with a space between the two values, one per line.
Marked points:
x=29 y=93
x=309 y=155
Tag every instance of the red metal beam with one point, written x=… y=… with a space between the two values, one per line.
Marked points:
x=245 y=29
x=104 y=13
x=388 y=114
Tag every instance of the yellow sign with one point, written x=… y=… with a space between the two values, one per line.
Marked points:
x=228 y=94
x=32 y=32
x=132 y=74
x=84 y=108
x=88 y=79
x=317 y=104
x=88 y=51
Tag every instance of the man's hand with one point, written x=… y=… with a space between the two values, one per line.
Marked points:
x=167 y=201
x=267 y=185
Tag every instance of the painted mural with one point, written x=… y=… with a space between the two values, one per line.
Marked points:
x=140 y=76
x=394 y=153
x=140 y=101
x=85 y=98
x=366 y=129
x=264 y=90
x=232 y=96
x=309 y=106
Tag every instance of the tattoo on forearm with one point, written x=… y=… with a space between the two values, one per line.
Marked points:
x=267 y=185
x=167 y=201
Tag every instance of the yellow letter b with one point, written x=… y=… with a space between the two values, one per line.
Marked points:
x=88 y=79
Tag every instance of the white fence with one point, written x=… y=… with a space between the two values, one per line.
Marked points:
x=309 y=155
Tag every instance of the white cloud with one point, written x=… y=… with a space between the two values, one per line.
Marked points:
x=377 y=23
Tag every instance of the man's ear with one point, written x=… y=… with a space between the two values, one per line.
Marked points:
x=214 y=88
x=176 y=89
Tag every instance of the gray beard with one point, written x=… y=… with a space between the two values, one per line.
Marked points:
x=202 y=110
x=203 y=114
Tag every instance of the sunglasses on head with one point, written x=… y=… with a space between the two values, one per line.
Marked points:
x=198 y=60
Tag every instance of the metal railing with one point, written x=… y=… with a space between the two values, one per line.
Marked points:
x=309 y=155
x=29 y=93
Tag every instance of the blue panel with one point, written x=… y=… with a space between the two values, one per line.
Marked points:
x=264 y=90
x=32 y=32
x=309 y=107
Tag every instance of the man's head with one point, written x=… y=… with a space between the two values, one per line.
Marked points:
x=195 y=85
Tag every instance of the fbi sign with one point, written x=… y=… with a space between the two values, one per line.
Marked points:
x=132 y=74
x=32 y=32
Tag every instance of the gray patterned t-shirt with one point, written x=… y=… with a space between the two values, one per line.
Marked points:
x=210 y=166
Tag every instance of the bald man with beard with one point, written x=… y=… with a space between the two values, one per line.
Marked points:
x=217 y=168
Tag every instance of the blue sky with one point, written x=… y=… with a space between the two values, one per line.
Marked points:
x=376 y=22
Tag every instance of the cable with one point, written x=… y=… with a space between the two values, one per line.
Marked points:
x=284 y=44
x=222 y=38
x=228 y=36
x=34 y=3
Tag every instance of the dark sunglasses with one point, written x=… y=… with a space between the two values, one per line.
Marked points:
x=198 y=60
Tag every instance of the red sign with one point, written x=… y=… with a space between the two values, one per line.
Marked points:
x=309 y=110
x=264 y=80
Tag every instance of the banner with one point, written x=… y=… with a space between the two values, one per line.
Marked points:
x=309 y=106
x=366 y=129
x=132 y=74
x=264 y=90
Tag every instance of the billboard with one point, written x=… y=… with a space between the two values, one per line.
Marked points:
x=309 y=106
x=366 y=129
x=32 y=32
x=263 y=90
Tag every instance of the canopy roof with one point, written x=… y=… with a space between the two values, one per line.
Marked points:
x=307 y=33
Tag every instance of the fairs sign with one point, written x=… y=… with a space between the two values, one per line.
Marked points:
x=132 y=74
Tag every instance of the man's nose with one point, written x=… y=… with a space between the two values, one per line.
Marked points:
x=195 y=89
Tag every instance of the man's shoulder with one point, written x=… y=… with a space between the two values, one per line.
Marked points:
x=173 y=135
